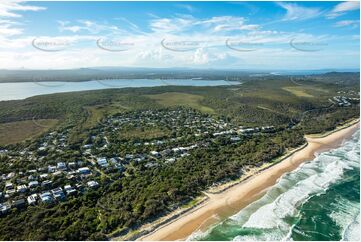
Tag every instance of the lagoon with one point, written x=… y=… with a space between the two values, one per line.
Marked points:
x=22 y=90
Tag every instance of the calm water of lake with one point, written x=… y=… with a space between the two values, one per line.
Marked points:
x=21 y=90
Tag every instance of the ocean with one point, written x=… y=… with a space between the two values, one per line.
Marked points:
x=320 y=200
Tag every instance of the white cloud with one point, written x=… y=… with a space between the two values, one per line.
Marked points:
x=148 y=52
x=297 y=12
x=342 y=8
x=88 y=26
x=187 y=7
x=7 y=28
x=344 y=23
x=200 y=57
x=214 y=24
x=208 y=50
x=9 y=8
x=229 y=23
x=167 y=25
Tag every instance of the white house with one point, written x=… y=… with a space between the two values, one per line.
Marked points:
x=32 y=199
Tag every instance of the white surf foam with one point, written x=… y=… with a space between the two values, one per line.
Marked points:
x=346 y=215
x=352 y=231
x=295 y=188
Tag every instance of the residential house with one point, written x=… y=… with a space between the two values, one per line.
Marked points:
x=235 y=139
x=61 y=166
x=22 y=189
x=44 y=176
x=51 y=169
x=5 y=208
x=9 y=186
x=69 y=190
x=58 y=193
x=72 y=165
x=102 y=162
x=46 y=183
x=32 y=199
x=19 y=203
x=84 y=171
x=93 y=184
x=33 y=184
x=155 y=153
x=46 y=197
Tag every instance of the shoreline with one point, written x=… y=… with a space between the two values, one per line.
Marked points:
x=238 y=194
x=60 y=87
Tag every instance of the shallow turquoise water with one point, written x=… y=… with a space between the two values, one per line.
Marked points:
x=318 y=201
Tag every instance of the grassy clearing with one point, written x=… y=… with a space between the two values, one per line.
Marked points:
x=305 y=91
x=298 y=91
x=268 y=109
x=15 y=132
x=170 y=99
x=96 y=113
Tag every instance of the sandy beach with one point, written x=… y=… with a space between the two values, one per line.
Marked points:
x=224 y=204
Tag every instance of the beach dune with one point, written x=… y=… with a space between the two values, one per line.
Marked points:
x=226 y=203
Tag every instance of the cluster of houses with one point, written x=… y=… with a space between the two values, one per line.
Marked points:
x=349 y=92
x=187 y=120
x=37 y=186
x=341 y=101
x=346 y=98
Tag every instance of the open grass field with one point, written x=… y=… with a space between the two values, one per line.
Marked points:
x=299 y=91
x=171 y=99
x=96 y=113
x=305 y=91
x=14 y=132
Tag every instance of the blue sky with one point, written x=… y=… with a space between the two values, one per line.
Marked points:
x=236 y=35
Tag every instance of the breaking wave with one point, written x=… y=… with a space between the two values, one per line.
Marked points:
x=309 y=203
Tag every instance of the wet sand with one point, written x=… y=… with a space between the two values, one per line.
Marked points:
x=222 y=205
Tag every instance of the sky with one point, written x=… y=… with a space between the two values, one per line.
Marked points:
x=217 y=35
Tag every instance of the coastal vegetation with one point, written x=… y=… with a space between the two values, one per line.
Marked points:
x=162 y=146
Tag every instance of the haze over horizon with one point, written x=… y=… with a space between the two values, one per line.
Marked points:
x=199 y=35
